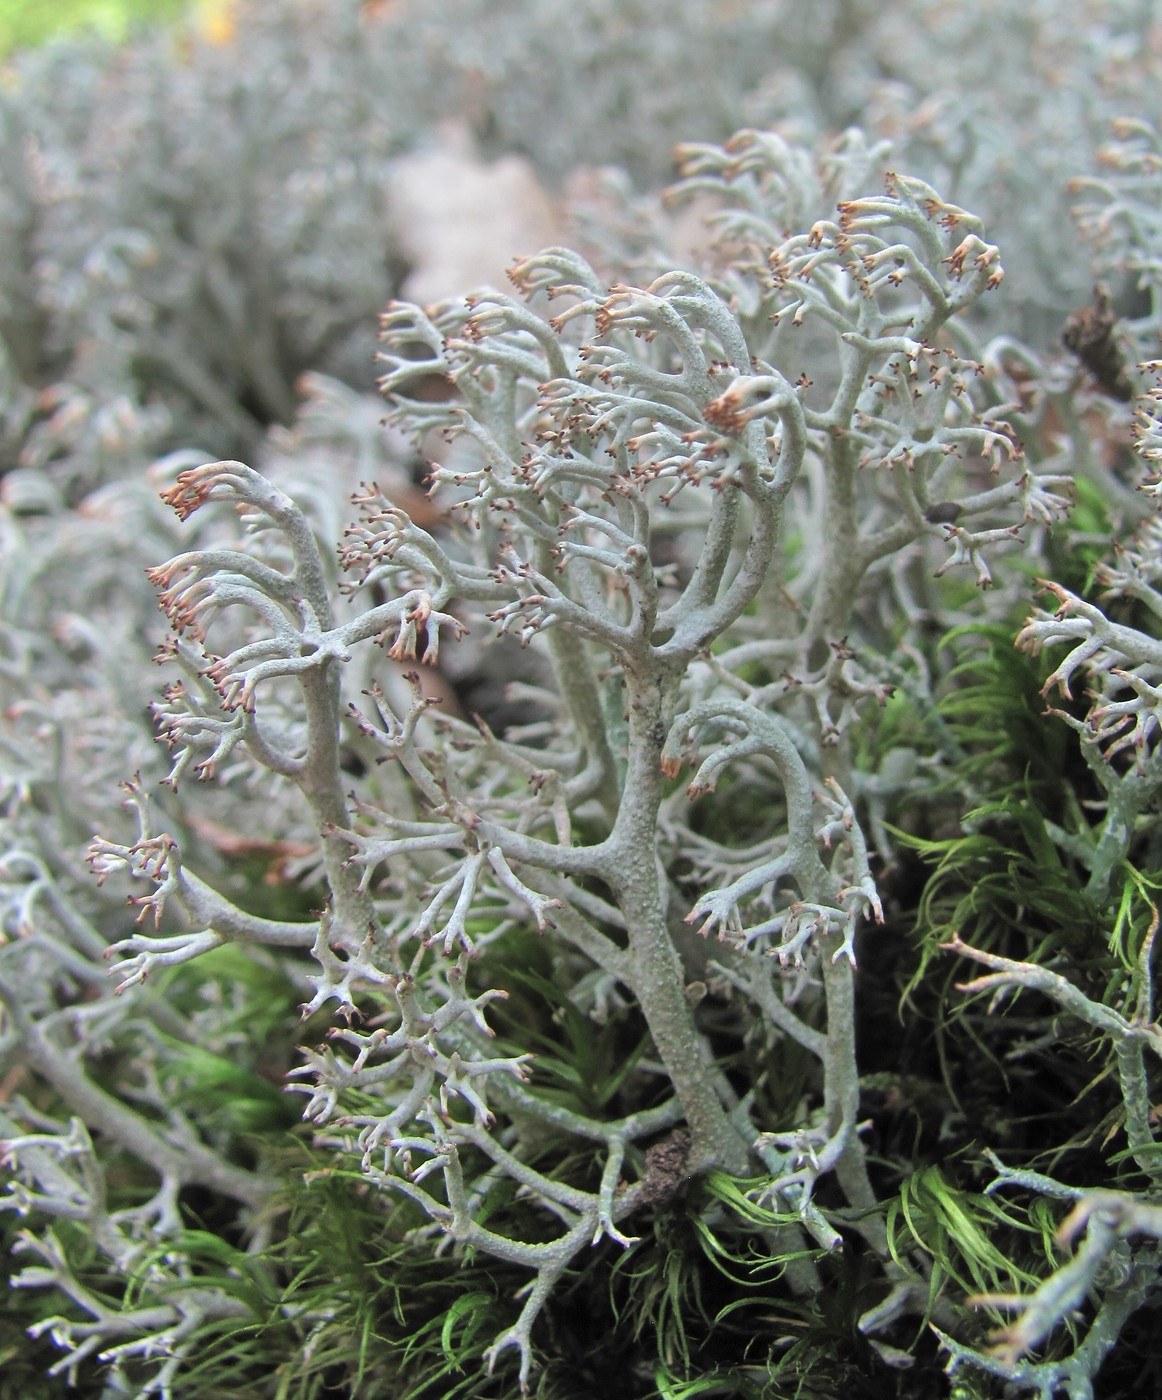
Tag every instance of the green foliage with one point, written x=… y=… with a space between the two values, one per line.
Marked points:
x=27 y=22
x=341 y=1303
x=994 y=714
x=379 y=1315
x=585 y=1065
x=958 y=1229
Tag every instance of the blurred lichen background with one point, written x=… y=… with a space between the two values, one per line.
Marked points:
x=639 y=814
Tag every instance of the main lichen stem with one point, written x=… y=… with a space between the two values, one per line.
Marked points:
x=658 y=980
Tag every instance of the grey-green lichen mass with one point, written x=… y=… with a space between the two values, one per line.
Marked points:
x=639 y=813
